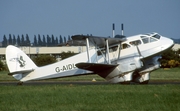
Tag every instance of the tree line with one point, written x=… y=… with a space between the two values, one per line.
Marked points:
x=23 y=40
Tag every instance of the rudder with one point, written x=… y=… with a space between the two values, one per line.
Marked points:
x=17 y=61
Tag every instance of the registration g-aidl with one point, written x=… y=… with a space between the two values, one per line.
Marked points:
x=65 y=67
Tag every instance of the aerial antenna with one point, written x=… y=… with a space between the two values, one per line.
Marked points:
x=122 y=29
x=113 y=31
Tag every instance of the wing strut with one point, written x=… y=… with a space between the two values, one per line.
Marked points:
x=87 y=48
x=107 y=51
x=119 y=51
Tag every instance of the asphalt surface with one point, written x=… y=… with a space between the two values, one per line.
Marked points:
x=82 y=83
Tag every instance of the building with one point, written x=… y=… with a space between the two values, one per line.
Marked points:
x=55 y=51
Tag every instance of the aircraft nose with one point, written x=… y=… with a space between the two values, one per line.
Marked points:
x=167 y=43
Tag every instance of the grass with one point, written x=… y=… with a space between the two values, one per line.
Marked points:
x=73 y=97
x=5 y=77
x=90 y=97
x=172 y=74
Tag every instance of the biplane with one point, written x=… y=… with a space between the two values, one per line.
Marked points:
x=118 y=60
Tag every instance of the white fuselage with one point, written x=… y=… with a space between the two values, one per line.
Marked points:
x=148 y=46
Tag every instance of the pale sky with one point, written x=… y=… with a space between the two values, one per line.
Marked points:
x=71 y=17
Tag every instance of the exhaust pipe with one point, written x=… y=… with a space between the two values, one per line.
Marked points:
x=122 y=29
x=113 y=31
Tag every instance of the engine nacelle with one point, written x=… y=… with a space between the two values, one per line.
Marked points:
x=143 y=74
x=129 y=64
x=122 y=78
x=151 y=65
x=123 y=72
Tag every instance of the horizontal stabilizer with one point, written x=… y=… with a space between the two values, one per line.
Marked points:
x=95 y=66
x=21 y=72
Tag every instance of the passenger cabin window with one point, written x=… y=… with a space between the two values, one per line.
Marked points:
x=125 y=46
x=103 y=51
x=135 y=43
x=112 y=49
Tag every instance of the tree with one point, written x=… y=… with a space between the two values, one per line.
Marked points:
x=178 y=51
x=18 y=41
x=14 y=40
x=28 y=43
x=22 y=43
x=65 y=55
x=64 y=39
x=4 y=42
x=48 y=40
x=69 y=38
x=39 y=40
x=10 y=40
x=52 y=41
x=60 y=39
x=2 y=67
x=56 y=41
x=170 y=59
x=42 y=60
x=35 y=40
x=44 y=40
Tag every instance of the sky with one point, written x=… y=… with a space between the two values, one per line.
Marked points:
x=71 y=17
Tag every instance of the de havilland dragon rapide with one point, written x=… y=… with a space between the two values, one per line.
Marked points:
x=117 y=59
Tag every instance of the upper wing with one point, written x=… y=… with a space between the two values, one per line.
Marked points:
x=96 y=67
x=99 y=41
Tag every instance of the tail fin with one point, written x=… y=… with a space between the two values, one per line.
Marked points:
x=18 y=62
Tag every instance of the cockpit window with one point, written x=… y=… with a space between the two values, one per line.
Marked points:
x=145 y=39
x=152 y=39
x=156 y=36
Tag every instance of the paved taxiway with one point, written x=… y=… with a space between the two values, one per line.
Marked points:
x=83 y=83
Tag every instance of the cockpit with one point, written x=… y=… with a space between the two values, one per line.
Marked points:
x=142 y=39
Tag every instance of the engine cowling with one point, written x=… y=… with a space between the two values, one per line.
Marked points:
x=123 y=72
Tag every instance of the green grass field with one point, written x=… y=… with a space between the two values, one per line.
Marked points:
x=90 y=98
x=172 y=74
x=160 y=74
x=107 y=97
